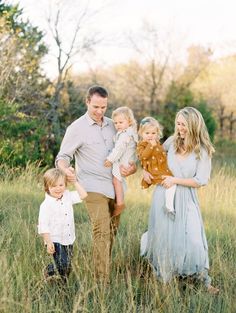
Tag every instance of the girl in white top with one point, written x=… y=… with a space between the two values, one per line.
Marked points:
x=56 y=220
x=124 y=151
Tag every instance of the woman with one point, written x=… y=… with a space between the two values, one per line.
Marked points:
x=175 y=244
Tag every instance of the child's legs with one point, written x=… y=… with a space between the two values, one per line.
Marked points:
x=170 y=194
x=62 y=258
x=50 y=270
x=119 y=192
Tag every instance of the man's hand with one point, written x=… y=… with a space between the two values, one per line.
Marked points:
x=70 y=174
x=128 y=170
x=147 y=177
x=68 y=170
x=107 y=163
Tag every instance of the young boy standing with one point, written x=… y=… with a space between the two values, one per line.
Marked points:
x=56 y=220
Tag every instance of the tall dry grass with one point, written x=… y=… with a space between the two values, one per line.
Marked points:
x=133 y=287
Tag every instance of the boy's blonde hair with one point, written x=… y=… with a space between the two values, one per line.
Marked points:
x=147 y=122
x=197 y=136
x=127 y=113
x=51 y=176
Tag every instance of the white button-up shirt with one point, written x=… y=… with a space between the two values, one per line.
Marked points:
x=56 y=217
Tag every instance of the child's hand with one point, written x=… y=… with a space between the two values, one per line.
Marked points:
x=147 y=177
x=153 y=142
x=107 y=163
x=168 y=181
x=50 y=247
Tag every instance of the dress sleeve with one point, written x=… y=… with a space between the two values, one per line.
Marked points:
x=119 y=149
x=44 y=220
x=203 y=170
x=167 y=143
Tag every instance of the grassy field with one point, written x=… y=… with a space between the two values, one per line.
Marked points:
x=133 y=288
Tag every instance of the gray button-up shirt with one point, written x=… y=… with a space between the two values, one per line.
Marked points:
x=90 y=144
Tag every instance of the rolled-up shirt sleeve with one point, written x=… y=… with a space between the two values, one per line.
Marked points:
x=74 y=196
x=70 y=143
x=44 y=220
x=203 y=170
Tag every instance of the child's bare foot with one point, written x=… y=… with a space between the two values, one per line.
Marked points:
x=212 y=290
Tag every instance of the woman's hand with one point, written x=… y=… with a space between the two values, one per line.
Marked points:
x=168 y=181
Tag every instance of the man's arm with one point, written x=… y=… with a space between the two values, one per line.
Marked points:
x=68 y=170
x=128 y=170
x=70 y=143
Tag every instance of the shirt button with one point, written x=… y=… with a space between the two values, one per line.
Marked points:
x=66 y=214
x=68 y=224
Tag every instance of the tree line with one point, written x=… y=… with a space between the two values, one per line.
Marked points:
x=35 y=111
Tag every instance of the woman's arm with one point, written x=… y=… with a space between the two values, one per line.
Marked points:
x=169 y=181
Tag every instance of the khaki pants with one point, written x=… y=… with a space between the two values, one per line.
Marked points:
x=104 y=226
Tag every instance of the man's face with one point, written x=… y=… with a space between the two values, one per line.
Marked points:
x=97 y=106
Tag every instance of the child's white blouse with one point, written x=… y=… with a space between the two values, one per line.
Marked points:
x=56 y=217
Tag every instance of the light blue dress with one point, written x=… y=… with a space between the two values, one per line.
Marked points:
x=175 y=245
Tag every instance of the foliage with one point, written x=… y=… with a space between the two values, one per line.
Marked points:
x=208 y=118
x=74 y=104
x=23 y=91
x=178 y=97
x=21 y=52
x=22 y=137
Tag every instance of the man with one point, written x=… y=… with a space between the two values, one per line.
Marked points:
x=89 y=140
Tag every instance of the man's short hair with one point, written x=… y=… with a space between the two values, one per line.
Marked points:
x=99 y=90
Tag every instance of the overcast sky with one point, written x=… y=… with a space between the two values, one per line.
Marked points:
x=206 y=22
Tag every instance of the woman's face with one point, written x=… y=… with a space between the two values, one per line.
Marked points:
x=181 y=126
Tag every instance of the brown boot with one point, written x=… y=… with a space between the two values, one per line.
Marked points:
x=118 y=209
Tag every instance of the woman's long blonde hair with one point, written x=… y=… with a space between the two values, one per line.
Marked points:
x=197 y=136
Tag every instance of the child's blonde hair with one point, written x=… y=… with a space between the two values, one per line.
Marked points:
x=127 y=113
x=197 y=135
x=51 y=176
x=148 y=122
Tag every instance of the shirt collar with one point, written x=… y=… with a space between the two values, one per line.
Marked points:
x=91 y=121
x=51 y=199
x=130 y=132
